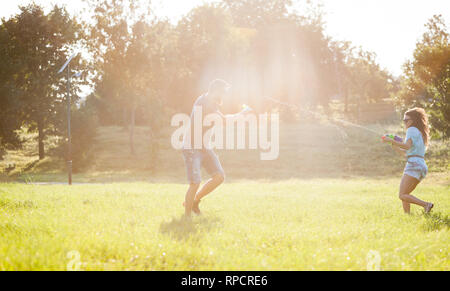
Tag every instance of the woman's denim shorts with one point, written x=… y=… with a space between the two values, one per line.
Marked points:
x=416 y=168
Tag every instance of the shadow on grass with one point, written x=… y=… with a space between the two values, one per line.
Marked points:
x=183 y=228
x=6 y=228
x=436 y=221
x=7 y=204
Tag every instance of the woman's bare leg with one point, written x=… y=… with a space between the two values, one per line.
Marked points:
x=406 y=207
x=407 y=185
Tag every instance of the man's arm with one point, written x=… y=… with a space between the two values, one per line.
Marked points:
x=231 y=115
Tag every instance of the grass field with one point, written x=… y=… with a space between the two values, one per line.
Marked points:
x=291 y=225
x=327 y=203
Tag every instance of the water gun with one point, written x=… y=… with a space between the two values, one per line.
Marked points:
x=245 y=108
x=393 y=136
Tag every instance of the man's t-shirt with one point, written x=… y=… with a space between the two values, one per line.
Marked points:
x=418 y=146
x=208 y=106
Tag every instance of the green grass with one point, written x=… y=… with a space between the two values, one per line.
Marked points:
x=315 y=224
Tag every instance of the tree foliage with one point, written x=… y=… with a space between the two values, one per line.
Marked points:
x=10 y=106
x=426 y=78
x=361 y=77
x=128 y=49
x=37 y=45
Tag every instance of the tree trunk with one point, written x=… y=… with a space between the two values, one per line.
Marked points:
x=132 y=123
x=346 y=102
x=41 y=139
x=152 y=155
x=358 y=109
x=124 y=117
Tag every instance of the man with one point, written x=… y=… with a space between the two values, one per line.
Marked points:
x=195 y=158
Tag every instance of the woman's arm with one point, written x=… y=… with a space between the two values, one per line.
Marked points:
x=405 y=146
x=399 y=150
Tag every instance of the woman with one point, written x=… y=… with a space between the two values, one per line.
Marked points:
x=414 y=147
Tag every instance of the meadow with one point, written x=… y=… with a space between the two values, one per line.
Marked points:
x=327 y=203
x=291 y=225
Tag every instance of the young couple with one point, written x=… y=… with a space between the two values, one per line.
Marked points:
x=413 y=148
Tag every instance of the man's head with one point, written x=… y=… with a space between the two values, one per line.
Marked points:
x=218 y=89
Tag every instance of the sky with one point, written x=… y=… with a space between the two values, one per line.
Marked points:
x=390 y=28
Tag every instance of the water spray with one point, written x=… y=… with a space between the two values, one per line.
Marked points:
x=333 y=120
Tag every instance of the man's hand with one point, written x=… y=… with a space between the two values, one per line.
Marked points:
x=246 y=109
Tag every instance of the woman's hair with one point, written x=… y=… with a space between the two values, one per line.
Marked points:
x=420 y=121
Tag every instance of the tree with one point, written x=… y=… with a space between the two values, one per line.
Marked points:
x=426 y=79
x=360 y=78
x=257 y=13
x=142 y=73
x=202 y=53
x=9 y=119
x=369 y=82
x=128 y=50
x=109 y=37
x=260 y=47
x=37 y=46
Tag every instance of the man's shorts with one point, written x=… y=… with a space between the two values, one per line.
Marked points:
x=416 y=168
x=195 y=159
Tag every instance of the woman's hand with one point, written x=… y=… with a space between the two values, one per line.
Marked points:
x=388 y=139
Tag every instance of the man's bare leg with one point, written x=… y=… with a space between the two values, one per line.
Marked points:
x=209 y=186
x=189 y=199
